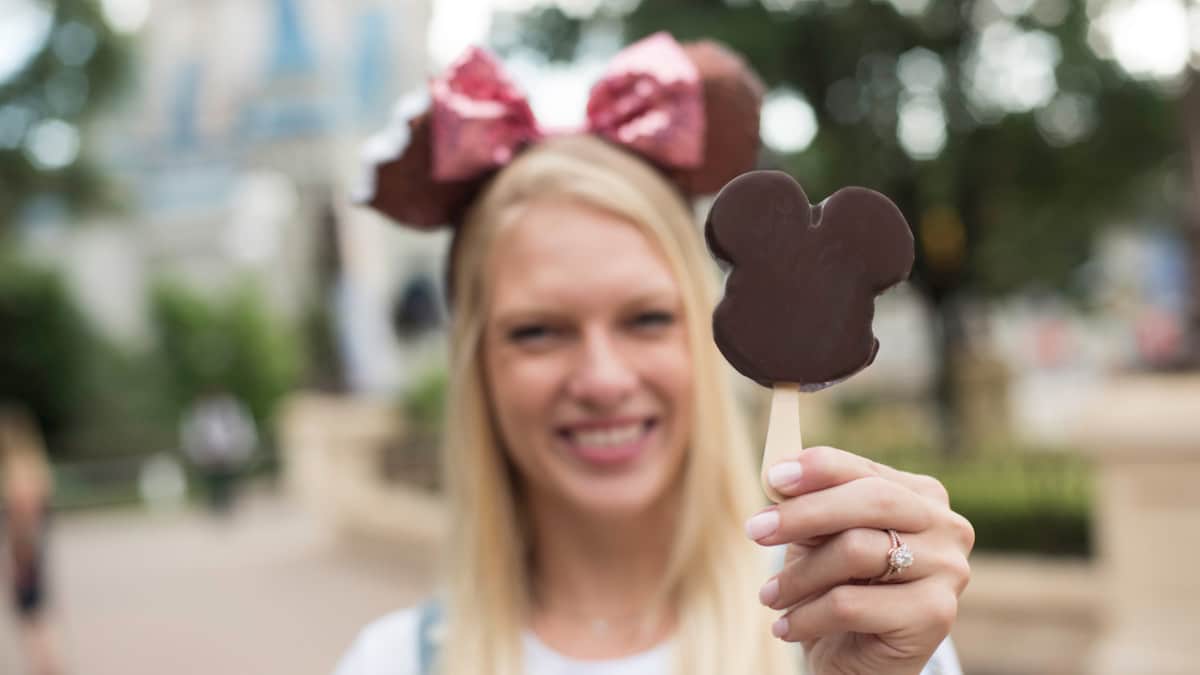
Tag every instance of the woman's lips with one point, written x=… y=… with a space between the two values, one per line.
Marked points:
x=608 y=443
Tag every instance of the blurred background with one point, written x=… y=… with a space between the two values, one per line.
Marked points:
x=236 y=374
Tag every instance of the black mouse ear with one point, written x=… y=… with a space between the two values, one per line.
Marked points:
x=733 y=96
x=751 y=214
x=877 y=233
x=400 y=182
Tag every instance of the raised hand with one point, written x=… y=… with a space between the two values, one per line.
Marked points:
x=835 y=597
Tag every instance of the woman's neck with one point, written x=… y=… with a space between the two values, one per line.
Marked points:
x=595 y=579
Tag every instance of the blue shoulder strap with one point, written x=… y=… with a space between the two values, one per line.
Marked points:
x=428 y=641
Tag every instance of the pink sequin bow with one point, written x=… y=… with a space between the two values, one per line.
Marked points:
x=649 y=100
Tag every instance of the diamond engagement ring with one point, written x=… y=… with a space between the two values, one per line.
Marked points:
x=899 y=558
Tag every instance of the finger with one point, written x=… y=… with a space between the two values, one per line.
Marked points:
x=912 y=617
x=822 y=467
x=872 y=502
x=852 y=556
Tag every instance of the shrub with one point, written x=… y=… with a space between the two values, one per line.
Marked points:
x=1027 y=501
x=232 y=345
x=46 y=345
x=425 y=402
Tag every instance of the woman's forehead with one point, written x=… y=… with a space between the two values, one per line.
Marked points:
x=564 y=251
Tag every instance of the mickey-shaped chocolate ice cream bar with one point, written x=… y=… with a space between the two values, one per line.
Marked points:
x=803 y=278
x=800 y=293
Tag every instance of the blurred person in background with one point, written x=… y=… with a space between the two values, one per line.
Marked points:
x=599 y=480
x=27 y=488
x=219 y=438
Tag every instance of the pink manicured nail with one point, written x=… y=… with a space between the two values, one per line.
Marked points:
x=780 y=627
x=784 y=474
x=763 y=524
x=769 y=593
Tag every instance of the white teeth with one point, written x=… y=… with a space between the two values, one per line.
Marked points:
x=607 y=437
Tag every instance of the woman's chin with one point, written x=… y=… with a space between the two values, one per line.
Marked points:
x=616 y=496
x=618 y=508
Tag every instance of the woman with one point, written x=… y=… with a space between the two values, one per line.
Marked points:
x=27 y=488
x=599 y=479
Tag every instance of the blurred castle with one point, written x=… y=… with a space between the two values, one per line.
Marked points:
x=236 y=150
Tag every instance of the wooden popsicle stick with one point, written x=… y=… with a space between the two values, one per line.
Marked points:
x=783 y=432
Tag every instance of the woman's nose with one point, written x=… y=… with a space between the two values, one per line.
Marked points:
x=603 y=377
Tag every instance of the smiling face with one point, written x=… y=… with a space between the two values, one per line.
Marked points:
x=586 y=359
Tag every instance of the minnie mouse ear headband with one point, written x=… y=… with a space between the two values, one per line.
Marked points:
x=690 y=110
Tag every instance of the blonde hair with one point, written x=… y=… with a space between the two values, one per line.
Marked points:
x=713 y=572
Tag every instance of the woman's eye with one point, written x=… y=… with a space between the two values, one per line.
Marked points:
x=655 y=319
x=530 y=333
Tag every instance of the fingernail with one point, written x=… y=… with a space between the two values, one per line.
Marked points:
x=784 y=474
x=780 y=627
x=769 y=593
x=763 y=524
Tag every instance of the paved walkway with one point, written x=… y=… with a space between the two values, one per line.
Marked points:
x=267 y=592
x=271 y=592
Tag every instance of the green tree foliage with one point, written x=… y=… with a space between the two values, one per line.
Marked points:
x=80 y=65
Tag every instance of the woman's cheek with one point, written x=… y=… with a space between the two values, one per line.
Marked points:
x=671 y=365
x=533 y=385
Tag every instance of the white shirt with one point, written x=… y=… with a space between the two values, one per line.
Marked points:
x=388 y=646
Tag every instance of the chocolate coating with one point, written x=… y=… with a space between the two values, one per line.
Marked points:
x=802 y=281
